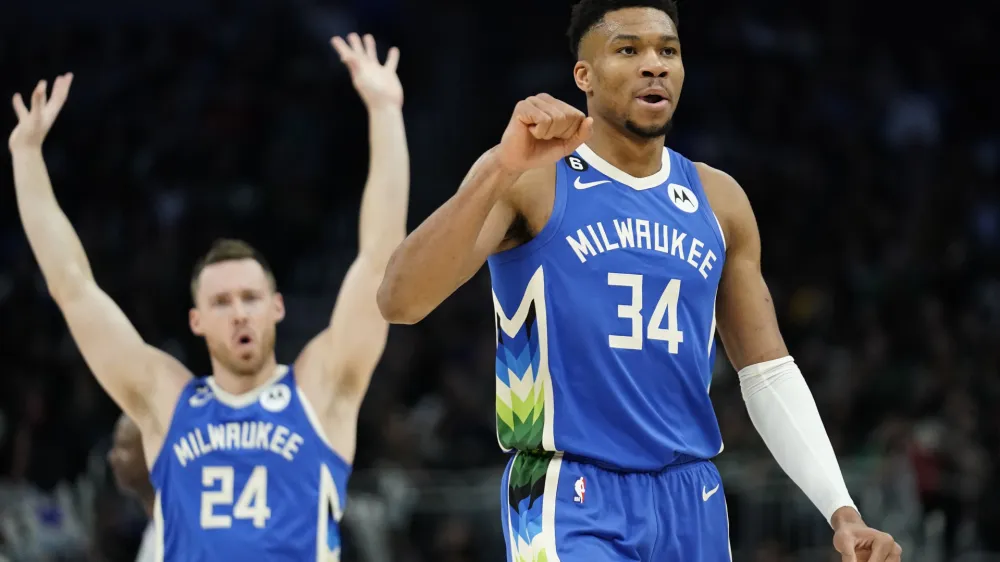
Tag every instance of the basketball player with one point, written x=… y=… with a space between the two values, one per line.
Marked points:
x=252 y=462
x=611 y=258
x=128 y=464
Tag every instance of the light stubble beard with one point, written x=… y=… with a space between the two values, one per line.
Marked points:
x=649 y=132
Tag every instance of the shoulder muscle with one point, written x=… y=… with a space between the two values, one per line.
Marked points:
x=531 y=200
x=732 y=207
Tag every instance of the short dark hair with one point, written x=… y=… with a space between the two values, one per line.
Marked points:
x=229 y=249
x=588 y=13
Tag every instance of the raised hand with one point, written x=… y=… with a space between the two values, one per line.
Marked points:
x=34 y=124
x=377 y=83
x=541 y=131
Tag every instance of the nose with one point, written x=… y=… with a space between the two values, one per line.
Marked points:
x=239 y=312
x=653 y=66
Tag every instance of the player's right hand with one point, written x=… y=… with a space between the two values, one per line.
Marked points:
x=34 y=124
x=542 y=131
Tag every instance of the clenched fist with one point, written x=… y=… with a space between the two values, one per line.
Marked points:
x=857 y=542
x=542 y=131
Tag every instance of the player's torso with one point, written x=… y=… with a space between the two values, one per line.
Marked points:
x=248 y=477
x=606 y=319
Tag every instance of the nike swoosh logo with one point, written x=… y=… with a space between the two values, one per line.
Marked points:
x=705 y=493
x=580 y=185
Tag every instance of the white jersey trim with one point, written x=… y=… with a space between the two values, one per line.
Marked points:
x=247 y=398
x=329 y=498
x=722 y=233
x=158 y=523
x=313 y=418
x=620 y=176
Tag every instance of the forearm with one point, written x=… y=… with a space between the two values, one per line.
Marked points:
x=433 y=260
x=384 y=202
x=784 y=413
x=53 y=241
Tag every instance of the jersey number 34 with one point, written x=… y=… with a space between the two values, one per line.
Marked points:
x=665 y=306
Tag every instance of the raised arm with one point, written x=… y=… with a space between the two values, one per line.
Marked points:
x=778 y=400
x=142 y=380
x=448 y=248
x=337 y=365
x=454 y=242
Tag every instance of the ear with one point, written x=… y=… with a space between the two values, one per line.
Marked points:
x=194 y=320
x=279 y=307
x=582 y=76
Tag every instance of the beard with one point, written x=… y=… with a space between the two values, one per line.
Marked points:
x=649 y=132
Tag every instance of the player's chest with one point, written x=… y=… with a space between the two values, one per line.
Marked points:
x=624 y=231
x=247 y=441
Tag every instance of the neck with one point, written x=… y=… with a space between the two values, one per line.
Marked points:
x=637 y=157
x=239 y=384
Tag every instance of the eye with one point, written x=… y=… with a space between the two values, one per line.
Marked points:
x=670 y=51
x=627 y=50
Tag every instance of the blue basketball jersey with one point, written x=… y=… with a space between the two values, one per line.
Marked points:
x=247 y=477
x=605 y=321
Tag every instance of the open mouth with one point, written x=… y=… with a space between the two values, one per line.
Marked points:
x=654 y=100
x=243 y=340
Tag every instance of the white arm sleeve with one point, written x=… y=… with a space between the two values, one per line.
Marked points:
x=785 y=415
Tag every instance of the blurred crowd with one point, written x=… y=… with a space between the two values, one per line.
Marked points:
x=869 y=152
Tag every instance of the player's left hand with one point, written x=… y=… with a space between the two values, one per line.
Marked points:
x=34 y=124
x=377 y=83
x=857 y=542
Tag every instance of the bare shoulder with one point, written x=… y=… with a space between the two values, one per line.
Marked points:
x=533 y=187
x=728 y=200
x=169 y=377
x=533 y=196
x=172 y=375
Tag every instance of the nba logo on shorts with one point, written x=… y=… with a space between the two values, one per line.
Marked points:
x=581 y=489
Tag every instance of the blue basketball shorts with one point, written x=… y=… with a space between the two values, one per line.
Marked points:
x=555 y=509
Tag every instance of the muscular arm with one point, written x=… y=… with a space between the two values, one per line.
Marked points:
x=778 y=400
x=451 y=245
x=129 y=370
x=350 y=348
x=746 y=318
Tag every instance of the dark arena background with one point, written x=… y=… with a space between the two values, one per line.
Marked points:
x=866 y=135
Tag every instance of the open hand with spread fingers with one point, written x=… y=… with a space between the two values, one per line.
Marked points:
x=541 y=131
x=376 y=83
x=34 y=121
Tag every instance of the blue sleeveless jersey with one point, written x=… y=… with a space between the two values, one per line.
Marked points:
x=605 y=321
x=247 y=477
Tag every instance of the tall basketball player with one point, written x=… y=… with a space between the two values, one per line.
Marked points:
x=611 y=258
x=252 y=462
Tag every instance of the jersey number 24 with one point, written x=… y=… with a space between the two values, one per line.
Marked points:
x=252 y=503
